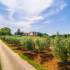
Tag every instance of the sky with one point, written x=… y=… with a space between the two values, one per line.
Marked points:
x=47 y=16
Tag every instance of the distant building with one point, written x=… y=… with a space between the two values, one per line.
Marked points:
x=25 y=34
x=32 y=34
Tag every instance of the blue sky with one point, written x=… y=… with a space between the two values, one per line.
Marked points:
x=49 y=16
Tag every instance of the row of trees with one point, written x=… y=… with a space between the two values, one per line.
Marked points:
x=7 y=31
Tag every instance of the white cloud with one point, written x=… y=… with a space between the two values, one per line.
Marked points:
x=34 y=18
x=10 y=3
x=31 y=9
x=29 y=6
x=28 y=22
x=57 y=6
x=23 y=25
x=35 y=6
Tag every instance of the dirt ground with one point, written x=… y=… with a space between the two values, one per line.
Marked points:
x=52 y=64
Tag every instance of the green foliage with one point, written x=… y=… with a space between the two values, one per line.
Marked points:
x=60 y=49
x=5 y=31
x=28 y=43
x=42 y=43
